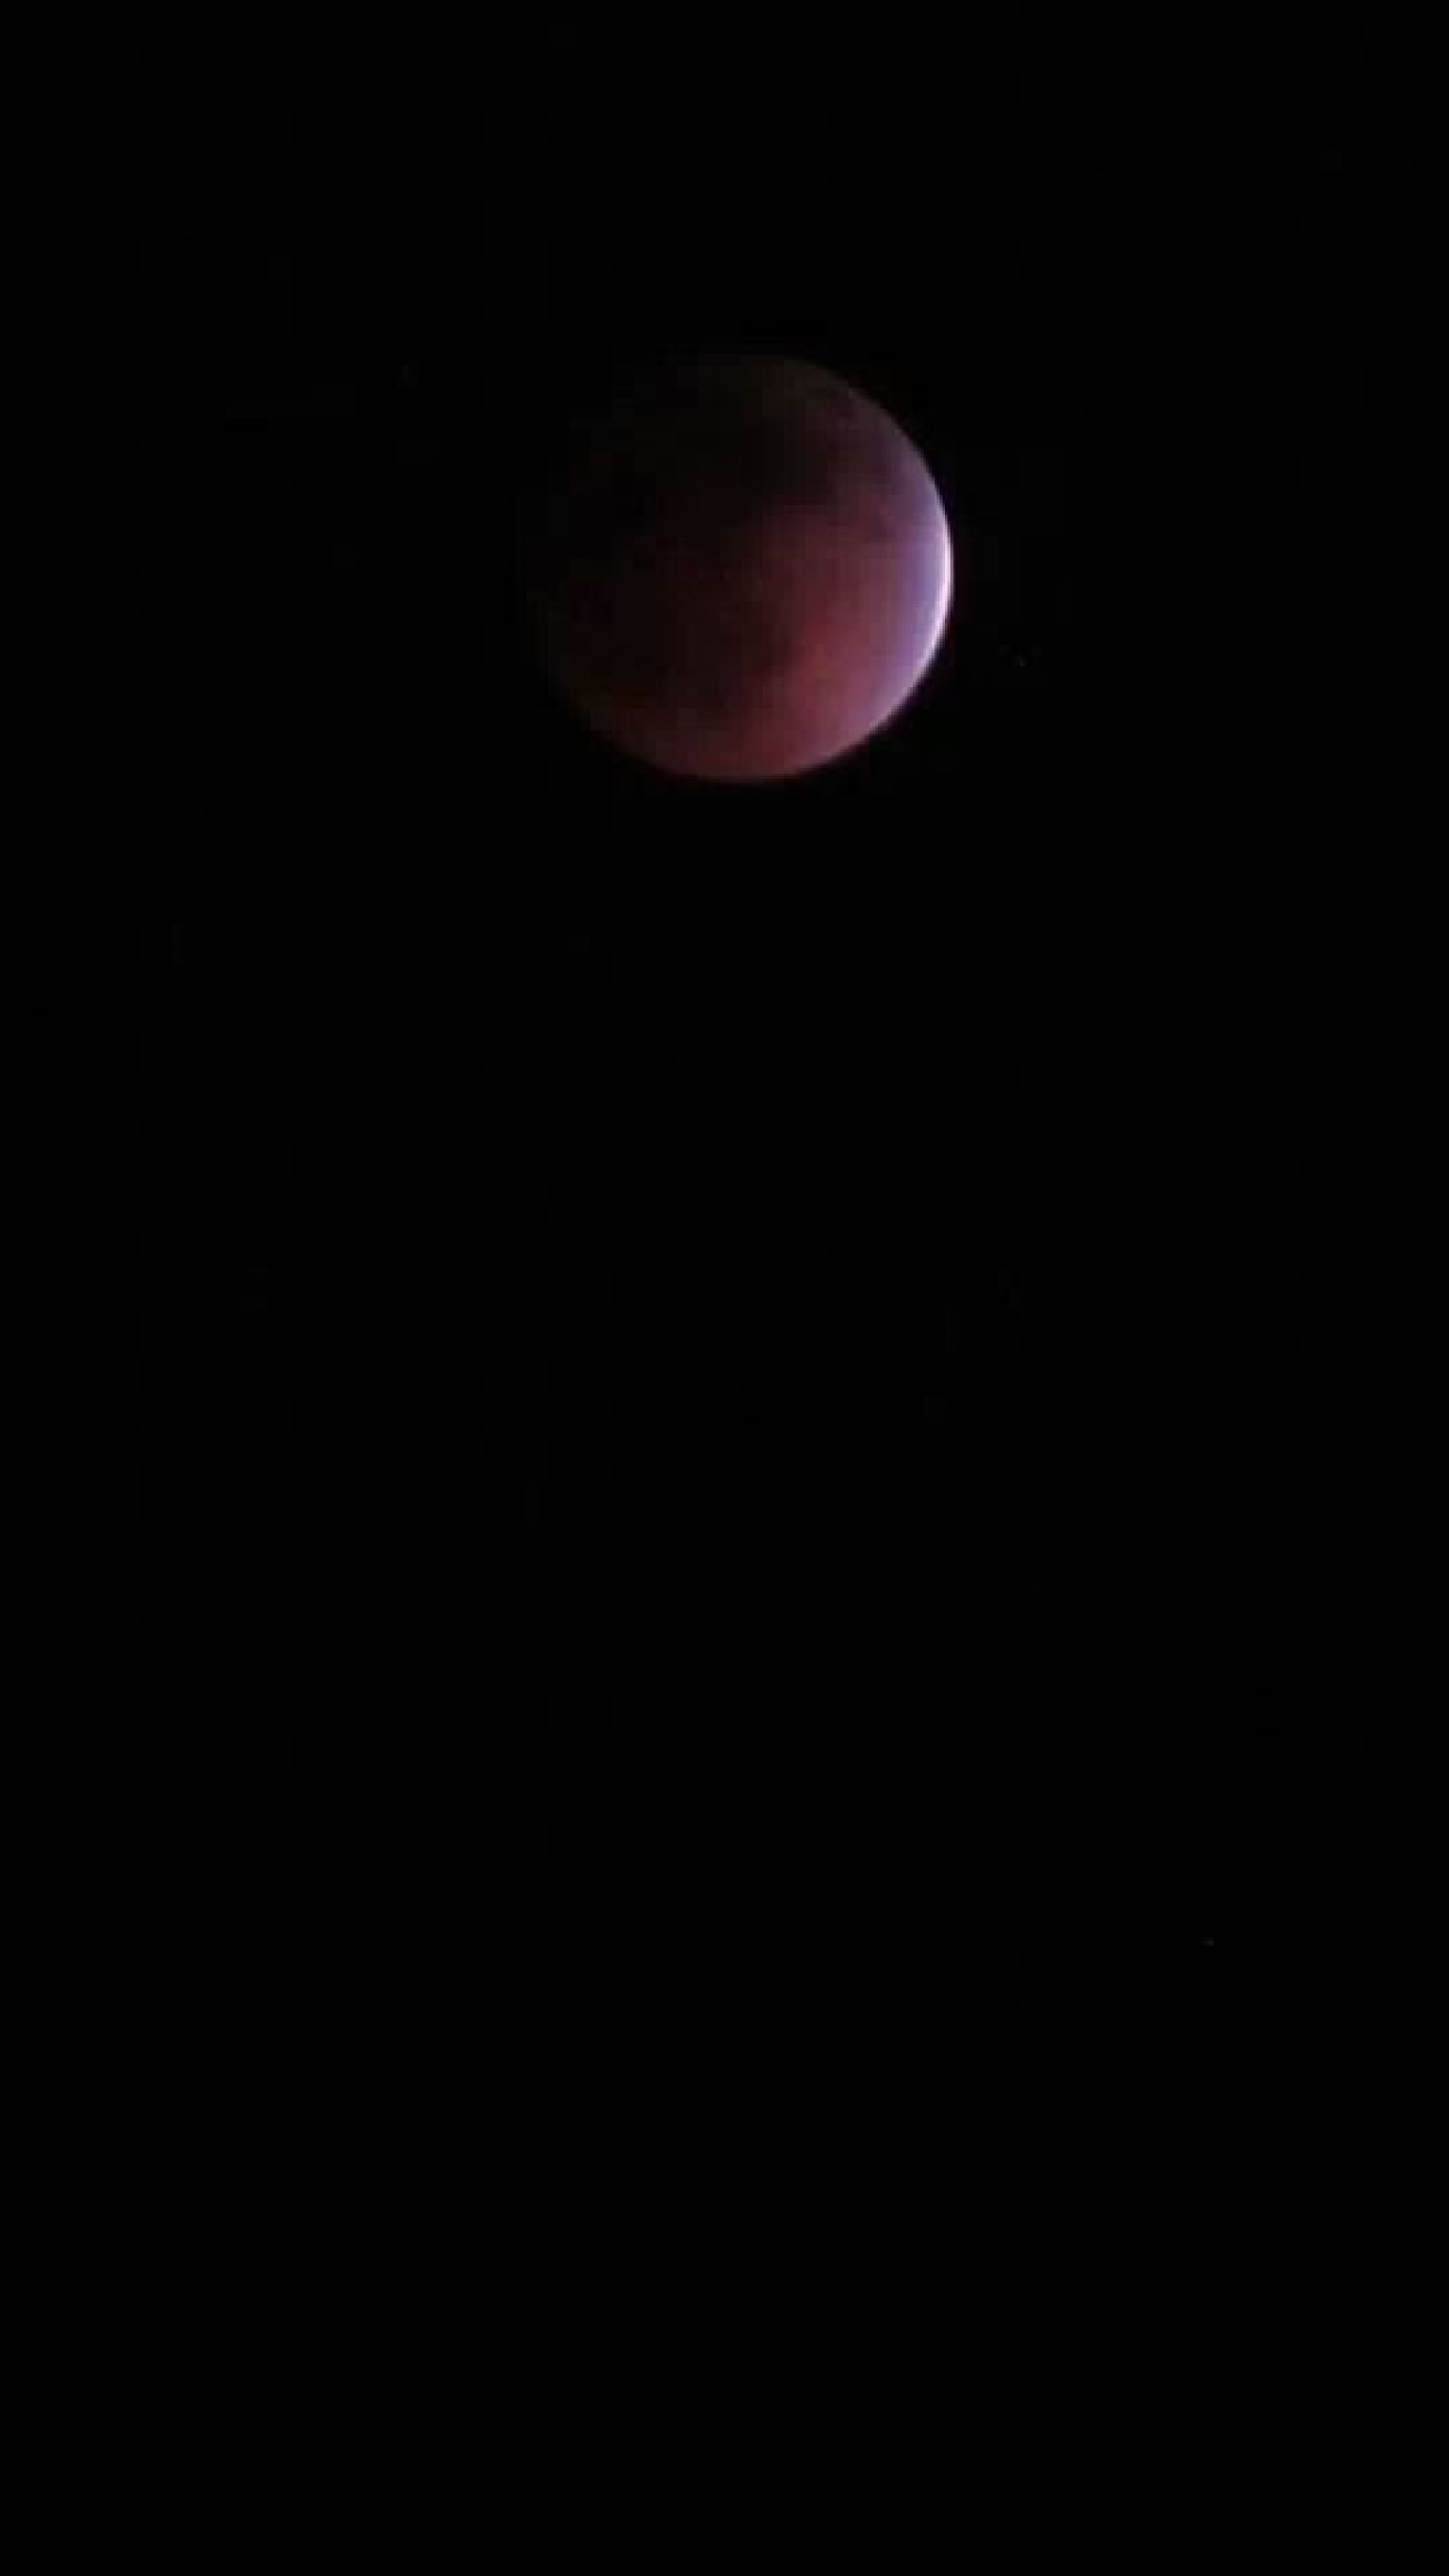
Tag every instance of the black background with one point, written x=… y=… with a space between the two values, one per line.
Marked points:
x=675 y=1402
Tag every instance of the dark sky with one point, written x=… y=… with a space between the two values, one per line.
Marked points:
x=729 y=1401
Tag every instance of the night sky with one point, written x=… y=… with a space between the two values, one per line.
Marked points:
x=664 y=1403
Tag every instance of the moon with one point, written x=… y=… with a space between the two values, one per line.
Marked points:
x=740 y=570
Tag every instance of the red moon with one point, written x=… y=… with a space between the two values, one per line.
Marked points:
x=741 y=571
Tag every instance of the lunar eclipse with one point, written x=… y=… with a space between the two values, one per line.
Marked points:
x=740 y=570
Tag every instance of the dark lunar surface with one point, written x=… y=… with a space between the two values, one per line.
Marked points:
x=709 y=1415
x=717 y=523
